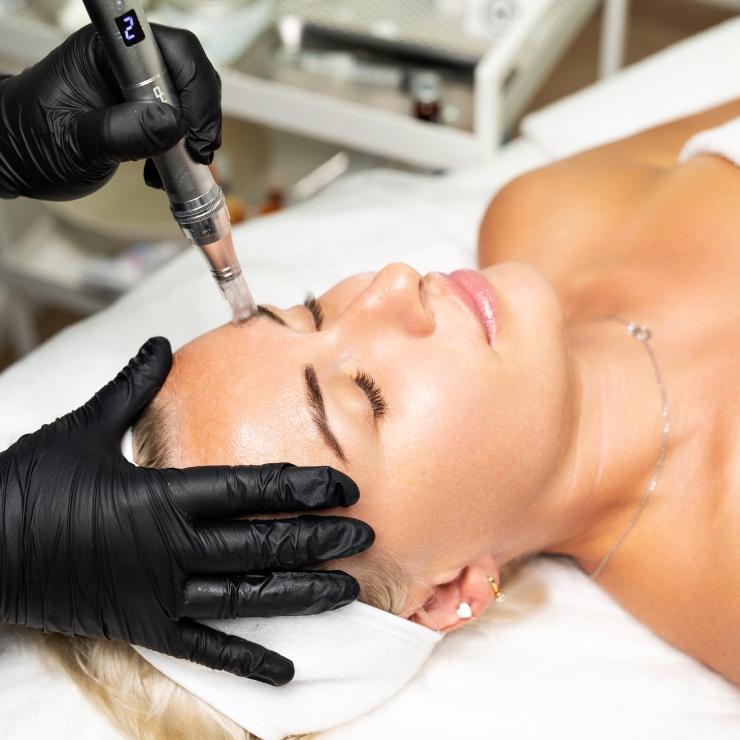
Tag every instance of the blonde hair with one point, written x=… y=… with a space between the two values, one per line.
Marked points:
x=154 y=442
x=139 y=700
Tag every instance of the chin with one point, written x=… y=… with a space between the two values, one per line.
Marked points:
x=530 y=308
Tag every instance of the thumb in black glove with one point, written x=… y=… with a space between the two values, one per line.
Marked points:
x=93 y=545
x=66 y=127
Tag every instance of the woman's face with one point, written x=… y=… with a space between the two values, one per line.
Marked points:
x=449 y=437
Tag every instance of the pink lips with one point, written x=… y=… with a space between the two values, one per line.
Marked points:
x=477 y=293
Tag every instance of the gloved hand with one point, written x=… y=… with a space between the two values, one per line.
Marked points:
x=65 y=127
x=93 y=545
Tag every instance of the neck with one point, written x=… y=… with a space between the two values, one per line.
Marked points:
x=613 y=449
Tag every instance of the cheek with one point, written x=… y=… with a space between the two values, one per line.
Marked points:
x=438 y=438
x=477 y=434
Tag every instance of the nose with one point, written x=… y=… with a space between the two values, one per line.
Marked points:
x=396 y=299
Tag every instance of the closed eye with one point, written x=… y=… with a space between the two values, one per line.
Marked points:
x=316 y=311
x=371 y=390
x=362 y=380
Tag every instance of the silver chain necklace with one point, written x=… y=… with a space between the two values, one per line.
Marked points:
x=642 y=334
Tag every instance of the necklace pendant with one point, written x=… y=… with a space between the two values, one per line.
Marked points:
x=638 y=331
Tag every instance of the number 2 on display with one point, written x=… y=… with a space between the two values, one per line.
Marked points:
x=130 y=28
x=129 y=21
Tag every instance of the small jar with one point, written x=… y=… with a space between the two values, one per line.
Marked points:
x=226 y=28
x=426 y=91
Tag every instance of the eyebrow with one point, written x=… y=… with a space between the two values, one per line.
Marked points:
x=315 y=397
x=318 y=409
x=264 y=311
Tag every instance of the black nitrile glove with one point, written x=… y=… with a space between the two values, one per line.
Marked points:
x=65 y=125
x=93 y=545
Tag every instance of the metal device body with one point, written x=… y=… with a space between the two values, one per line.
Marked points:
x=196 y=200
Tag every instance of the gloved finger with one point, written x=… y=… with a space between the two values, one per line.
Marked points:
x=259 y=489
x=272 y=595
x=213 y=649
x=127 y=132
x=282 y=544
x=151 y=175
x=198 y=86
x=118 y=403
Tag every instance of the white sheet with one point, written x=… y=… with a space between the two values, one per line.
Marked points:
x=696 y=74
x=578 y=667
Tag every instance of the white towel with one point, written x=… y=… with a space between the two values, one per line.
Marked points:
x=127 y=445
x=723 y=141
x=347 y=662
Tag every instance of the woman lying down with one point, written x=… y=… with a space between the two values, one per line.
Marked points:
x=578 y=395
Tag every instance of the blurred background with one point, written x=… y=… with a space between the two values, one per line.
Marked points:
x=314 y=90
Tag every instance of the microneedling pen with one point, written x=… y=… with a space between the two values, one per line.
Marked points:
x=196 y=200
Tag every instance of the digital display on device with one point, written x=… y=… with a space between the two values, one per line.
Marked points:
x=130 y=28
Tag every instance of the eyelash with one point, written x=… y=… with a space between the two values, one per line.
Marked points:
x=370 y=387
x=316 y=311
x=362 y=380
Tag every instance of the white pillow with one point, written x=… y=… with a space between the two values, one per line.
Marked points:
x=698 y=73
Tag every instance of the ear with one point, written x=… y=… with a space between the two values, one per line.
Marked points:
x=471 y=587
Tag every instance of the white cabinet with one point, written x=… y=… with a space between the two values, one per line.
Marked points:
x=506 y=78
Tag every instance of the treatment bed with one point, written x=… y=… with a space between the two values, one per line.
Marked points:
x=560 y=658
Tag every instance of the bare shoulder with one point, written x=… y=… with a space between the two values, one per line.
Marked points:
x=719 y=642
x=572 y=213
x=684 y=583
x=705 y=618
x=699 y=617
x=566 y=216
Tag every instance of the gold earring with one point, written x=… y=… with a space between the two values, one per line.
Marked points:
x=498 y=595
